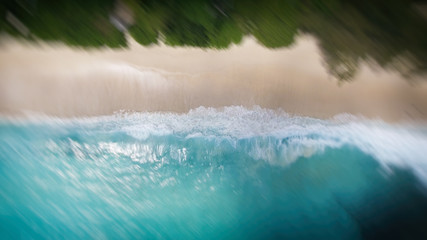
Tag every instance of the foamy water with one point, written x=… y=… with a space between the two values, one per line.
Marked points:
x=226 y=173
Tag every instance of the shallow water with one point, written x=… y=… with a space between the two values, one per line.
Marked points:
x=211 y=174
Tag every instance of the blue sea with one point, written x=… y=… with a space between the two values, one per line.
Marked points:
x=227 y=173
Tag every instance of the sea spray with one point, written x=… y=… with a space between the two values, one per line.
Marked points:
x=231 y=173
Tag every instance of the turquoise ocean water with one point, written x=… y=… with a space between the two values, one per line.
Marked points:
x=232 y=173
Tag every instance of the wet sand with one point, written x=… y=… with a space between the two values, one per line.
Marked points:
x=56 y=80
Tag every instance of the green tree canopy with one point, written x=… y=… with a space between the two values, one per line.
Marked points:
x=390 y=33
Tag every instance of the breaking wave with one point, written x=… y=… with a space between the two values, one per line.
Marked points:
x=211 y=173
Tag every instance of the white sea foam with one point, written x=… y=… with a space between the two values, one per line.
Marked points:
x=391 y=144
x=398 y=145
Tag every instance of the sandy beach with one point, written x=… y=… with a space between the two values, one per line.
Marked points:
x=57 y=80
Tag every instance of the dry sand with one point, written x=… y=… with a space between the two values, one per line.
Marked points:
x=60 y=81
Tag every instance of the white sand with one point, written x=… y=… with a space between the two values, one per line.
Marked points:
x=57 y=80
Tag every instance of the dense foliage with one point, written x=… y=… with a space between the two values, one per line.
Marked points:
x=389 y=33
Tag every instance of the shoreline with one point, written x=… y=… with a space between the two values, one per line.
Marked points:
x=60 y=81
x=31 y=117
